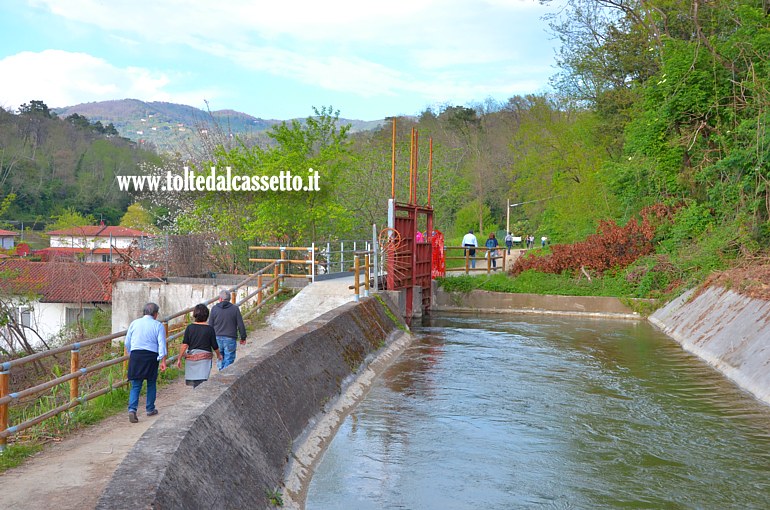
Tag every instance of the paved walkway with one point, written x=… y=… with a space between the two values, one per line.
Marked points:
x=71 y=474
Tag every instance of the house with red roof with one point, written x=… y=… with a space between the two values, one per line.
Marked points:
x=92 y=243
x=52 y=295
x=7 y=239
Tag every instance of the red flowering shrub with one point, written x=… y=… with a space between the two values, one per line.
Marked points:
x=611 y=246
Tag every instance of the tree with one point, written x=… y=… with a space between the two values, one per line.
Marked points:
x=139 y=218
x=70 y=218
x=35 y=107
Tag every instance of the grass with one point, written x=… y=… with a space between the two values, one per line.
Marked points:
x=532 y=282
x=399 y=323
x=274 y=496
x=15 y=454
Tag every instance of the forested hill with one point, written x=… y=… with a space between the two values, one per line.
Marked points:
x=51 y=164
x=168 y=125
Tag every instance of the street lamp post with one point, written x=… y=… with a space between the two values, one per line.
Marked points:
x=510 y=205
x=508 y=215
x=508 y=218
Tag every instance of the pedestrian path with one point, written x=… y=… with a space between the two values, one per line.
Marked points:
x=72 y=473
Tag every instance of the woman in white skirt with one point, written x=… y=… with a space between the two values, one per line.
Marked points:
x=197 y=347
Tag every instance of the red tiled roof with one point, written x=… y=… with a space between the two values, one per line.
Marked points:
x=58 y=282
x=60 y=249
x=49 y=252
x=6 y=233
x=98 y=230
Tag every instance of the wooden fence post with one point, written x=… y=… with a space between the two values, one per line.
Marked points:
x=5 y=373
x=275 y=278
x=366 y=275
x=259 y=286
x=75 y=367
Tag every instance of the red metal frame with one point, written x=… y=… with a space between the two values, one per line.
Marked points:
x=411 y=263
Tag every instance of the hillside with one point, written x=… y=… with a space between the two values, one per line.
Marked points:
x=50 y=164
x=168 y=125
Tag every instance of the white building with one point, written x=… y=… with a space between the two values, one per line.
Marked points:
x=52 y=295
x=92 y=243
x=7 y=239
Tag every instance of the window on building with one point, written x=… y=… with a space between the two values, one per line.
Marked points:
x=74 y=313
x=105 y=258
x=25 y=317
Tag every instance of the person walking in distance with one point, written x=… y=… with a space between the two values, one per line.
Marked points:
x=227 y=322
x=491 y=245
x=146 y=348
x=470 y=242
x=509 y=242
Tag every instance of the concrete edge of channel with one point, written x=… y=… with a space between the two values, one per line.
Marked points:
x=483 y=301
x=309 y=448
x=228 y=443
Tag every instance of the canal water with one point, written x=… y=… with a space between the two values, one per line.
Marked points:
x=504 y=412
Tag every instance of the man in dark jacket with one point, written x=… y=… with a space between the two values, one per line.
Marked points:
x=227 y=322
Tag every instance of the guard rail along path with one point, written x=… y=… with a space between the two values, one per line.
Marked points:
x=261 y=417
x=486 y=263
x=79 y=373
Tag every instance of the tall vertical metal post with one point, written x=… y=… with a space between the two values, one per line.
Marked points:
x=312 y=262
x=393 y=162
x=376 y=250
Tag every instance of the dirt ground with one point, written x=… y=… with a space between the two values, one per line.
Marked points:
x=752 y=280
x=72 y=474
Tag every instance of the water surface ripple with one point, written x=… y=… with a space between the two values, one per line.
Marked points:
x=502 y=412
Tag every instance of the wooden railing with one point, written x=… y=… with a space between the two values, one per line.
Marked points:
x=358 y=270
x=483 y=258
x=77 y=372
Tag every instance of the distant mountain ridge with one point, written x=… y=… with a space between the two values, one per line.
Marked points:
x=167 y=125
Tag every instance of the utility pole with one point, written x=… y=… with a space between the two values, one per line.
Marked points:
x=508 y=217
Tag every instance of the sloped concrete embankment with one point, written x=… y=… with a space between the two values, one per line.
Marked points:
x=503 y=302
x=228 y=445
x=726 y=329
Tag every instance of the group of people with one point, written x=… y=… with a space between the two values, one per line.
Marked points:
x=213 y=333
x=531 y=241
x=470 y=242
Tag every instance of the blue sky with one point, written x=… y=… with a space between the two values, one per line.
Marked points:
x=275 y=59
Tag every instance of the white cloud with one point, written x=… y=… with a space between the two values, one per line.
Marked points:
x=62 y=78
x=431 y=48
x=480 y=27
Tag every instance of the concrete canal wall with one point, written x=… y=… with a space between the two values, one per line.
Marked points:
x=229 y=445
x=728 y=330
x=502 y=302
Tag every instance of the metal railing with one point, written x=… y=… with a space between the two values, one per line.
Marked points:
x=485 y=261
x=284 y=264
x=77 y=372
x=334 y=255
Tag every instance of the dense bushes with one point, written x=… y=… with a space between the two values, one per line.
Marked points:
x=612 y=246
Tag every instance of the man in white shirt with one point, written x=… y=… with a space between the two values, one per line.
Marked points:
x=469 y=240
x=146 y=347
